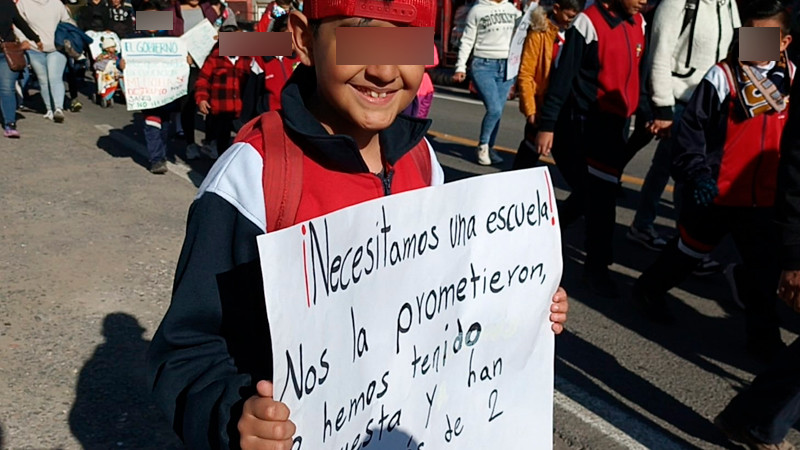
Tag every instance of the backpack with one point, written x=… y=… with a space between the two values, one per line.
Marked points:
x=282 y=176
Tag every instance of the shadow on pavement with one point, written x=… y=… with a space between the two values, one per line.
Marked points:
x=113 y=407
x=576 y=357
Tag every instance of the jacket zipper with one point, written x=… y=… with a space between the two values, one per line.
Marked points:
x=719 y=30
x=630 y=67
x=386 y=181
x=758 y=162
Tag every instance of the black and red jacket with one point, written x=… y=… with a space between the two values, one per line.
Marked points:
x=599 y=68
x=715 y=138
x=276 y=73
x=220 y=83
x=213 y=344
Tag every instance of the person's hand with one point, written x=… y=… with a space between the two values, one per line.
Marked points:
x=544 y=142
x=122 y=64
x=532 y=119
x=458 y=77
x=660 y=128
x=25 y=45
x=265 y=422
x=558 y=310
x=204 y=107
x=789 y=289
x=189 y=59
x=705 y=190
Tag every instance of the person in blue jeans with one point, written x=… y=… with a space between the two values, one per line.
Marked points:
x=487 y=36
x=10 y=17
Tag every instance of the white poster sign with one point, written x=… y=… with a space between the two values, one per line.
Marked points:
x=95 y=48
x=419 y=320
x=156 y=71
x=200 y=40
x=517 y=42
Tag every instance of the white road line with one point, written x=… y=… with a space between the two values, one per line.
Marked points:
x=180 y=169
x=601 y=416
x=455 y=98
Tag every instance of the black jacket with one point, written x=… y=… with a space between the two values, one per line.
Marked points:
x=787 y=201
x=95 y=17
x=9 y=15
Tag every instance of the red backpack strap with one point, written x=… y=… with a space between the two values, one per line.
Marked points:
x=421 y=156
x=283 y=173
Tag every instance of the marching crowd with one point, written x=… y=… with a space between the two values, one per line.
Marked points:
x=588 y=73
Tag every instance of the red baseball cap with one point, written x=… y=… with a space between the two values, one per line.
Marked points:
x=415 y=13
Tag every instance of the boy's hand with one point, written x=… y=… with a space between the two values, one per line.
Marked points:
x=122 y=64
x=660 y=128
x=26 y=45
x=458 y=77
x=204 y=107
x=789 y=289
x=559 y=309
x=544 y=142
x=265 y=422
x=189 y=59
x=532 y=119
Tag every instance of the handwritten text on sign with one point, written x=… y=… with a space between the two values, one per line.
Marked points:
x=419 y=319
x=156 y=71
x=518 y=42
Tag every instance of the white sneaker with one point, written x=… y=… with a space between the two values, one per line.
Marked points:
x=49 y=115
x=210 y=150
x=482 y=154
x=193 y=151
x=58 y=116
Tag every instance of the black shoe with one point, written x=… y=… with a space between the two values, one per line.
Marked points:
x=654 y=307
x=159 y=167
x=738 y=433
x=601 y=284
x=706 y=267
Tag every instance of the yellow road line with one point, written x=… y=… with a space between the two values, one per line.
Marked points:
x=546 y=159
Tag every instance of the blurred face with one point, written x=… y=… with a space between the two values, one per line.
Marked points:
x=116 y=3
x=631 y=7
x=563 y=17
x=353 y=99
x=773 y=22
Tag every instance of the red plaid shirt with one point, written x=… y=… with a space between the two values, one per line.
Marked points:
x=220 y=82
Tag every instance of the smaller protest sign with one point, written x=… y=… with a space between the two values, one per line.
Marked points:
x=156 y=71
x=518 y=41
x=200 y=40
x=95 y=48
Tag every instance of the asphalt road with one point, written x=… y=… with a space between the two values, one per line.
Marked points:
x=90 y=240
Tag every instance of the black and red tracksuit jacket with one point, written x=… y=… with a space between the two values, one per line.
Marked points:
x=716 y=139
x=213 y=344
x=220 y=83
x=276 y=73
x=599 y=68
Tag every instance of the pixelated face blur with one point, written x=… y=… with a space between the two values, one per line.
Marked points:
x=356 y=99
x=771 y=22
x=116 y=3
x=631 y=7
x=563 y=17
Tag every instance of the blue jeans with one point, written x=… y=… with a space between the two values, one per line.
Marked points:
x=8 y=95
x=657 y=177
x=489 y=76
x=49 y=69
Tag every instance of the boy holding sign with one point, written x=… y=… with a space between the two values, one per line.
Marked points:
x=340 y=131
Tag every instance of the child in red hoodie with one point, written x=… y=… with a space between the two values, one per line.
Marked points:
x=276 y=69
x=218 y=93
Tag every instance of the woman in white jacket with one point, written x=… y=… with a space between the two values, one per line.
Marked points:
x=682 y=51
x=488 y=33
x=44 y=16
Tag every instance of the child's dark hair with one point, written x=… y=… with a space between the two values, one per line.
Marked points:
x=575 y=5
x=280 y=24
x=767 y=9
x=229 y=28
